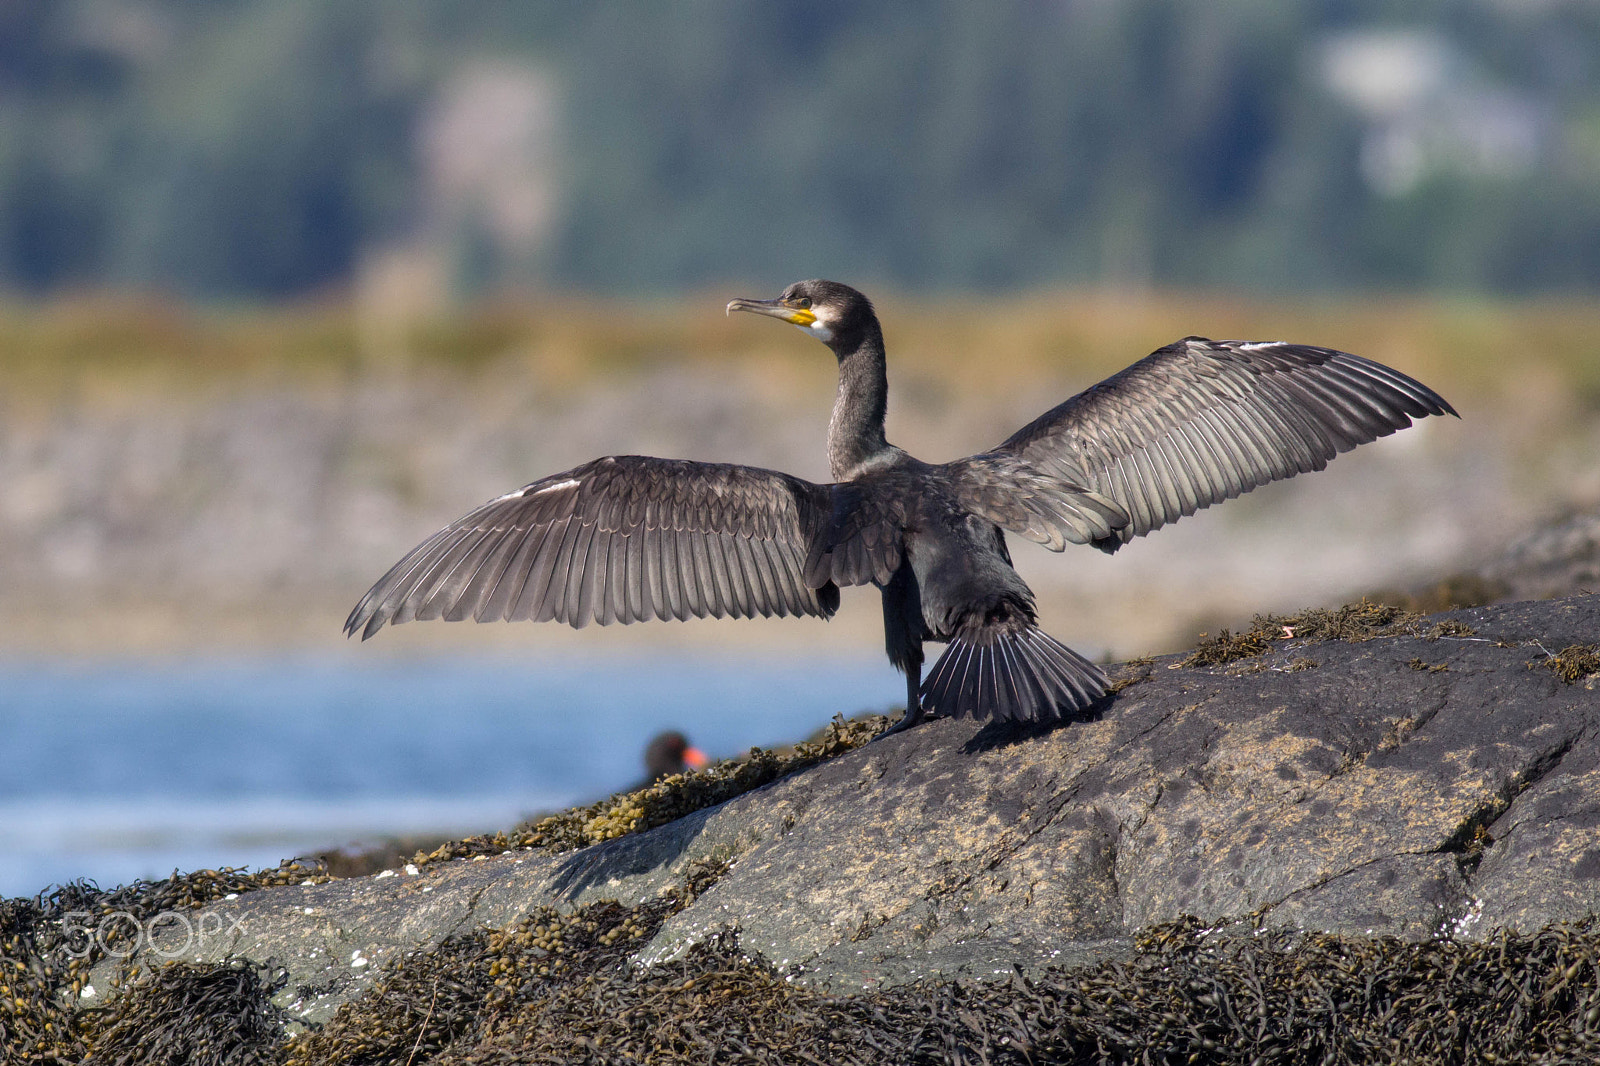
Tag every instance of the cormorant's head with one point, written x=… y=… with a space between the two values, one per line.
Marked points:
x=834 y=314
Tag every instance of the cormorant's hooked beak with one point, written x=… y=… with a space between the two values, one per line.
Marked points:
x=798 y=316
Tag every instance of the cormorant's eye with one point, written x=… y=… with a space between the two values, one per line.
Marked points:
x=801 y=302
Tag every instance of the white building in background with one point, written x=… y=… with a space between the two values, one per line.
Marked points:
x=1429 y=110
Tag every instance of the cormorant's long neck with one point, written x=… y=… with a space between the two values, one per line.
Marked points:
x=855 y=435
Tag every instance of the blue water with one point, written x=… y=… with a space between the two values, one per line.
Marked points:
x=115 y=771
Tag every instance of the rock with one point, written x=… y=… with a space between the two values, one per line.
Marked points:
x=1439 y=782
x=1558 y=559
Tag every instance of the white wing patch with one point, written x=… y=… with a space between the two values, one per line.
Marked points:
x=567 y=484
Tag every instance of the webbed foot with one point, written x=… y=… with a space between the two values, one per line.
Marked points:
x=913 y=715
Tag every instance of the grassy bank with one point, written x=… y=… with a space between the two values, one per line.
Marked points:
x=1466 y=346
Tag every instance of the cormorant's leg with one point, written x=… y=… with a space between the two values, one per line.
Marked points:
x=903 y=630
x=914 y=712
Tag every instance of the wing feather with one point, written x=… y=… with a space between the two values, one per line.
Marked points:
x=693 y=578
x=785 y=570
x=608 y=593
x=528 y=564
x=617 y=576
x=447 y=572
x=753 y=591
x=706 y=574
x=621 y=539
x=555 y=577
x=507 y=598
x=420 y=568
x=656 y=602
x=580 y=578
x=1193 y=476
x=551 y=577
x=672 y=576
x=762 y=589
x=738 y=580
x=635 y=607
x=481 y=571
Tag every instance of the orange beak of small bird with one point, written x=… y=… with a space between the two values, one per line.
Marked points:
x=696 y=758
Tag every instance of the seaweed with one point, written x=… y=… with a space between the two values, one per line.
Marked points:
x=1571 y=664
x=466 y=990
x=1130 y=673
x=46 y=951
x=1226 y=648
x=1188 y=994
x=1354 y=622
x=202 y=1015
x=565 y=986
x=36 y=1024
x=666 y=800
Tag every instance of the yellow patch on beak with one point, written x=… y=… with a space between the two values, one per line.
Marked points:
x=802 y=317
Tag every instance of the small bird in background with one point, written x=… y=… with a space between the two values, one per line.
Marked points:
x=671 y=753
x=630 y=537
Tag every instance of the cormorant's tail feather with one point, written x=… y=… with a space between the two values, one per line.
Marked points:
x=1022 y=675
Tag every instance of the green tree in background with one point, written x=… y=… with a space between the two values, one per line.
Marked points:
x=260 y=148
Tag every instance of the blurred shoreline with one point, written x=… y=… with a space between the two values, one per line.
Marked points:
x=184 y=481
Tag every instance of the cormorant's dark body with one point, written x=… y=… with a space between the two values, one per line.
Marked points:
x=627 y=538
x=953 y=583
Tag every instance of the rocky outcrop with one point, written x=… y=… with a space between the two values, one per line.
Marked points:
x=1561 y=558
x=1437 y=781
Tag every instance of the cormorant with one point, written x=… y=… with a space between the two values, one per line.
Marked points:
x=628 y=537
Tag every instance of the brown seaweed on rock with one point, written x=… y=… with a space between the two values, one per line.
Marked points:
x=669 y=799
x=1355 y=622
x=562 y=987
x=49 y=943
x=1572 y=664
x=1189 y=995
x=201 y=1014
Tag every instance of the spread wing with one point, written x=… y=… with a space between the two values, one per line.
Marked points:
x=1202 y=421
x=620 y=539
